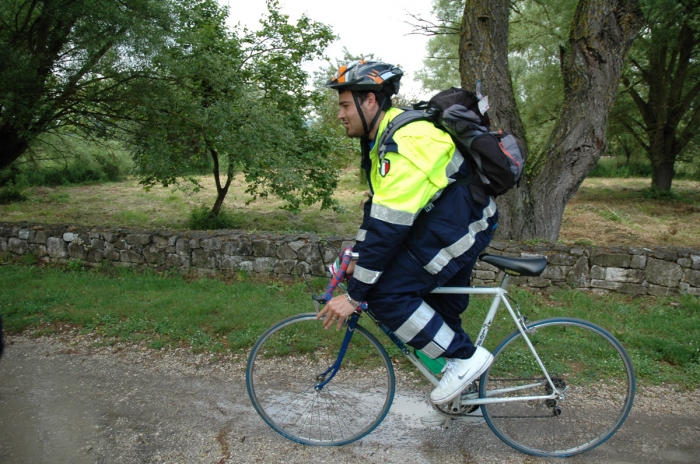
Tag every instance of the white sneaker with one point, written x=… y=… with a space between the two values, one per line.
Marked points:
x=459 y=373
x=436 y=418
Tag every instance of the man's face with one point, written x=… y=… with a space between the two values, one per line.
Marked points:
x=348 y=115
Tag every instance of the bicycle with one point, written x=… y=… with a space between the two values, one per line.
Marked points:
x=557 y=387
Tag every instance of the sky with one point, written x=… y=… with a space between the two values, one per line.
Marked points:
x=363 y=27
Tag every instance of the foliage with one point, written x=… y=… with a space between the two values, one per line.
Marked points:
x=617 y=167
x=441 y=66
x=537 y=31
x=12 y=193
x=237 y=102
x=77 y=64
x=55 y=161
x=659 y=111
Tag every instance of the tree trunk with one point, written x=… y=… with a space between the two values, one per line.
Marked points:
x=600 y=36
x=11 y=146
x=221 y=190
x=662 y=175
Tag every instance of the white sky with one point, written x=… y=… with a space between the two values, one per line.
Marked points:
x=363 y=27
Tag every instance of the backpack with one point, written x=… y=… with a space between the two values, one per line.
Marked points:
x=494 y=156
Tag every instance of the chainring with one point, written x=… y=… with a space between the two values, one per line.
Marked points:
x=446 y=408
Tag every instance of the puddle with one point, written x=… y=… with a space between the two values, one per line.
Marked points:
x=410 y=409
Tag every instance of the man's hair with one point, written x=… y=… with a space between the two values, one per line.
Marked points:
x=362 y=96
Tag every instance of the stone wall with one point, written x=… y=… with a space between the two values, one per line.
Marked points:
x=639 y=271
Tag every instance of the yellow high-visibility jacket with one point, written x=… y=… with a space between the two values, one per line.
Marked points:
x=407 y=176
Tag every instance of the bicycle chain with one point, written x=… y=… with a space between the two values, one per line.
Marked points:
x=446 y=409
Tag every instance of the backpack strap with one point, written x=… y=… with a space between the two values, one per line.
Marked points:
x=386 y=141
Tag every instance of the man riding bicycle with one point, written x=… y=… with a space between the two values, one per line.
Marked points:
x=421 y=229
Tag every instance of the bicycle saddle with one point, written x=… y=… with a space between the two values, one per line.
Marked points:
x=529 y=266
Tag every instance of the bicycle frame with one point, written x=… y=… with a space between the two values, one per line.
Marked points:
x=500 y=296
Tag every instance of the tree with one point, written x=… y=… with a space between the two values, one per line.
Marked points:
x=540 y=80
x=73 y=63
x=236 y=101
x=663 y=82
x=441 y=66
x=591 y=61
x=535 y=32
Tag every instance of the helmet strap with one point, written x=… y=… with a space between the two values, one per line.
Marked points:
x=366 y=128
x=362 y=116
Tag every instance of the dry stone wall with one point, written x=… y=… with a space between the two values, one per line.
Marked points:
x=632 y=270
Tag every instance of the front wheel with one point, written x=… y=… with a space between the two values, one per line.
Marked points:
x=587 y=365
x=290 y=361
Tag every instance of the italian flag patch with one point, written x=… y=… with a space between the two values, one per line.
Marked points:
x=384 y=167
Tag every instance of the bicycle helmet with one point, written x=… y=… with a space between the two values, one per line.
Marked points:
x=363 y=76
x=368 y=76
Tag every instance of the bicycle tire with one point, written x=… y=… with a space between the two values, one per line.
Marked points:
x=282 y=375
x=586 y=361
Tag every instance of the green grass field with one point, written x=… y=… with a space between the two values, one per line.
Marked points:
x=662 y=335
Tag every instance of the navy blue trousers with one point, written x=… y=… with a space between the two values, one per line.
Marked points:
x=432 y=323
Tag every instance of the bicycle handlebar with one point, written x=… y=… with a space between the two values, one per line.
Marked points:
x=346 y=256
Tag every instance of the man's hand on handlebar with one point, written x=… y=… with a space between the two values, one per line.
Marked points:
x=336 y=311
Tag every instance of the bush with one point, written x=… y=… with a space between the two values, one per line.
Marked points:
x=638 y=166
x=78 y=172
x=55 y=161
x=616 y=167
x=12 y=193
x=201 y=219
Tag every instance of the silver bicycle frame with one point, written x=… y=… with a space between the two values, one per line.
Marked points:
x=499 y=297
x=500 y=294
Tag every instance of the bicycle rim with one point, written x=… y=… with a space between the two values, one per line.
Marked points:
x=284 y=368
x=585 y=362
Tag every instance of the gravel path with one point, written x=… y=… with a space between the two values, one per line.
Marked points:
x=63 y=400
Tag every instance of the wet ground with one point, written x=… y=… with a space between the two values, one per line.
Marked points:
x=65 y=401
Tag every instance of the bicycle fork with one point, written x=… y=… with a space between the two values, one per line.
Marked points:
x=326 y=376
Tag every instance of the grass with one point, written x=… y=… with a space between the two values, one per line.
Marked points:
x=623 y=212
x=662 y=335
x=119 y=204
x=123 y=305
x=603 y=212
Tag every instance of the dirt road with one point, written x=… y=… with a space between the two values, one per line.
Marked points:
x=62 y=400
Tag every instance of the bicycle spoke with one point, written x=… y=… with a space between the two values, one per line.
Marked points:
x=282 y=383
x=596 y=381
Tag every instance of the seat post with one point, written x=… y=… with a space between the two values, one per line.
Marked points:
x=504 y=281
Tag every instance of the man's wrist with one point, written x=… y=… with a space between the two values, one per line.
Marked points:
x=354 y=303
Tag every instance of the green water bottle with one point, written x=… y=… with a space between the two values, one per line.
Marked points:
x=434 y=365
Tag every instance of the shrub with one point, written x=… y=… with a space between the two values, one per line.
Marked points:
x=201 y=219
x=610 y=167
x=12 y=193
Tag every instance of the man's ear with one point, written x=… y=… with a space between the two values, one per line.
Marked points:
x=371 y=99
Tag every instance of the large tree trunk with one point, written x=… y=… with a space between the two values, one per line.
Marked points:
x=11 y=146
x=601 y=34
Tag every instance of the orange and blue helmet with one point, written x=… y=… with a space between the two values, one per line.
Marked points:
x=363 y=76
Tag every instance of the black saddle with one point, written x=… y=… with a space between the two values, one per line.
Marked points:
x=529 y=266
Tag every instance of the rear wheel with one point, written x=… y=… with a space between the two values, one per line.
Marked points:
x=587 y=365
x=290 y=361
